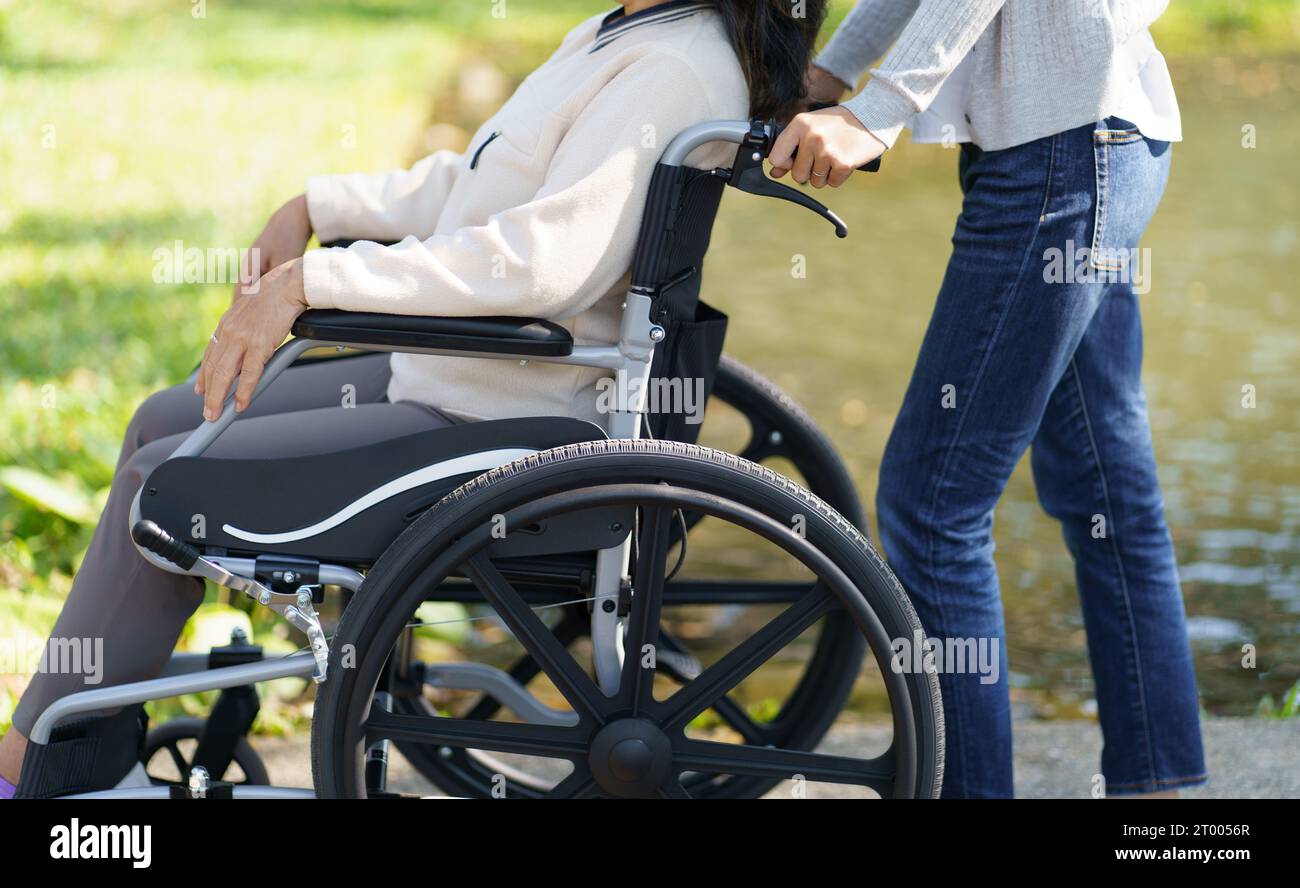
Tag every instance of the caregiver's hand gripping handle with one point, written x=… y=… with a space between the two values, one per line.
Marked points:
x=824 y=146
x=871 y=166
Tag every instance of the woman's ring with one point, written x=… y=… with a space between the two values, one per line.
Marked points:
x=820 y=175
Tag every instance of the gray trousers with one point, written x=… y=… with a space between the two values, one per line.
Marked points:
x=136 y=610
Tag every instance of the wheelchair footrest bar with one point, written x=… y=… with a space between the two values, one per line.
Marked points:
x=171 y=686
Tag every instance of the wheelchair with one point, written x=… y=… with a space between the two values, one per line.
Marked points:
x=567 y=541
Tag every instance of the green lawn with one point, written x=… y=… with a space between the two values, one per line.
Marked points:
x=128 y=126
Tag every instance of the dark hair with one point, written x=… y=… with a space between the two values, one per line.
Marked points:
x=774 y=41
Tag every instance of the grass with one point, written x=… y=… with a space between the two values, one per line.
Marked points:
x=1229 y=27
x=128 y=126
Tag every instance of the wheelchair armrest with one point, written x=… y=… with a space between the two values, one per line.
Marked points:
x=512 y=336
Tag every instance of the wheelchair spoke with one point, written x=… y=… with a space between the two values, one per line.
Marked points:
x=526 y=739
x=578 y=785
x=550 y=654
x=732 y=758
x=727 y=709
x=719 y=679
x=738 y=719
x=637 y=685
x=182 y=766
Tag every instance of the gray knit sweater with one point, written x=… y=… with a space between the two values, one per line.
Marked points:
x=1038 y=66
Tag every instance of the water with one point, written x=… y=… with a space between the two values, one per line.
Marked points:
x=1221 y=315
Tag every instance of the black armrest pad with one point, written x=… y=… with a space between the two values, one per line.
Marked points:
x=511 y=336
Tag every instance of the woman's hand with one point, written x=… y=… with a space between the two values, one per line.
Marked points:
x=825 y=147
x=824 y=87
x=282 y=240
x=246 y=337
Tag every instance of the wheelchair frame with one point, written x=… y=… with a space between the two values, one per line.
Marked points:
x=631 y=358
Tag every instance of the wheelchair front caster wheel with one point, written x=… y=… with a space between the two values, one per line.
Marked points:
x=168 y=756
x=643 y=739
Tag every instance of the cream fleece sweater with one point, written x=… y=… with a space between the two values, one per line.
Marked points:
x=539 y=218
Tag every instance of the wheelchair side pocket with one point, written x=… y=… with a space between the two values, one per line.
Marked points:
x=683 y=373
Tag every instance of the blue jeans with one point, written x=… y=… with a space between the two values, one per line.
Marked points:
x=1036 y=342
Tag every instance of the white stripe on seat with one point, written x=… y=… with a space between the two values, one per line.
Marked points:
x=473 y=462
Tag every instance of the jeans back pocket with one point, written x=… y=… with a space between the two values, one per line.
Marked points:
x=1109 y=253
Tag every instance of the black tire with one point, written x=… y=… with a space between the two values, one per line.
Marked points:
x=168 y=737
x=778 y=429
x=399 y=582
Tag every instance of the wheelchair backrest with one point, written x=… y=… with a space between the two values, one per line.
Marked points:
x=668 y=264
x=668 y=267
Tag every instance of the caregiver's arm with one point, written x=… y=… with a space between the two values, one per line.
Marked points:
x=838 y=140
x=934 y=42
x=553 y=256
x=864 y=35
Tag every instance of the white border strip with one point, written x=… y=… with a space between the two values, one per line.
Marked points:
x=473 y=462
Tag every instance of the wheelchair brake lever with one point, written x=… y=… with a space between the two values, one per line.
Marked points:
x=296 y=607
x=747 y=174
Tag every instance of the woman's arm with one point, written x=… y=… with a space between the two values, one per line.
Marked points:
x=282 y=240
x=384 y=206
x=864 y=35
x=354 y=206
x=934 y=42
x=826 y=146
x=553 y=256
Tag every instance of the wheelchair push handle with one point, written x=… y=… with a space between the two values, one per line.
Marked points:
x=158 y=541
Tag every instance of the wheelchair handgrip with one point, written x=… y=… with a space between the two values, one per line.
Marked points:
x=163 y=544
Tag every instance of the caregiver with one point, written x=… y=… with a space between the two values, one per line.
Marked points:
x=1064 y=112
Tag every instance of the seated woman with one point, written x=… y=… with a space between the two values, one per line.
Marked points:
x=538 y=219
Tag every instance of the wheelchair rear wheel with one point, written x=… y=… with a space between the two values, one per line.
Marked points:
x=645 y=739
x=762 y=424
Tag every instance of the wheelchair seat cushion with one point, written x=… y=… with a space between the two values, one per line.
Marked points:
x=343 y=507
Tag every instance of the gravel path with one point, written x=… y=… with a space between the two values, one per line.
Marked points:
x=1247 y=758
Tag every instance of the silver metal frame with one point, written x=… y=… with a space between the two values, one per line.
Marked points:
x=164 y=792
x=630 y=357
